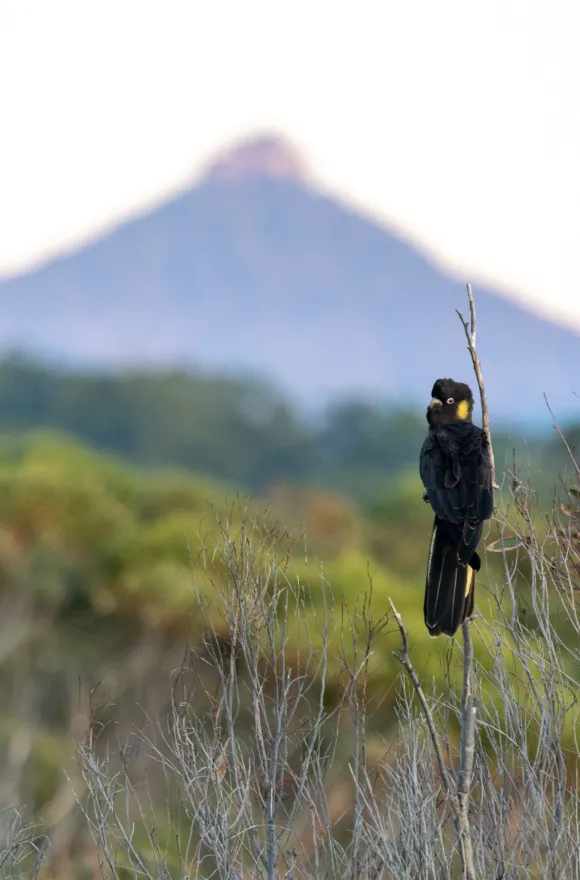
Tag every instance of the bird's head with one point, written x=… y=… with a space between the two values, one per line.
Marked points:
x=451 y=402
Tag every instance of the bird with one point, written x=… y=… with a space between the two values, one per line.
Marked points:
x=456 y=471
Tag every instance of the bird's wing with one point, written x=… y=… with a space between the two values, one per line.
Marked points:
x=477 y=473
x=485 y=482
x=455 y=468
x=439 y=474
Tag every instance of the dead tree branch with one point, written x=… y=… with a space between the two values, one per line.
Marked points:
x=403 y=657
x=469 y=706
x=467 y=754
x=458 y=794
x=470 y=328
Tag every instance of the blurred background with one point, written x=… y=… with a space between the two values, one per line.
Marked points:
x=233 y=240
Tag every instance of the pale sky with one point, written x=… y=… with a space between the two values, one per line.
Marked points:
x=457 y=121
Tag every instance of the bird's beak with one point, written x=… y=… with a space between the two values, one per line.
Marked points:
x=434 y=403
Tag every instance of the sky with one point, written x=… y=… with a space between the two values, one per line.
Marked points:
x=457 y=122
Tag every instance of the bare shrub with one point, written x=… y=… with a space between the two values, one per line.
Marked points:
x=265 y=774
x=22 y=846
x=266 y=761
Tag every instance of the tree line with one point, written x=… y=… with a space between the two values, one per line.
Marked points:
x=242 y=430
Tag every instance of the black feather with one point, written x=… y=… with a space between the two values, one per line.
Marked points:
x=455 y=468
x=449 y=588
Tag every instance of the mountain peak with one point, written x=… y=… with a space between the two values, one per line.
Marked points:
x=263 y=156
x=260 y=274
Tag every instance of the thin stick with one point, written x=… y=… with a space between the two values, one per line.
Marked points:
x=403 y=657
x=469 y=707
x=470 y=331
x=467 y=753
x=561 y=436
x=459 y=795
x=458 y=798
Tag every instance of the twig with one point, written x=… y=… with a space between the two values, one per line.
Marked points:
x=558 y=430
x=469 y=709
x=470 y=331
x=403 y=657
x=458 y=795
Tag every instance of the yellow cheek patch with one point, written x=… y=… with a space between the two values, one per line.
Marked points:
x=462 y=409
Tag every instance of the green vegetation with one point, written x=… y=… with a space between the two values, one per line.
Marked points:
x=242 y=431
x=111 y=570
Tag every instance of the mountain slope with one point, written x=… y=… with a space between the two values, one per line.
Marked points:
x=260 y=272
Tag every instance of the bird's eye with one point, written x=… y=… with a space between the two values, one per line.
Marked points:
x=450 y=400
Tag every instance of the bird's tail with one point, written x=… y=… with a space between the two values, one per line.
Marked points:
x=450 y=585
x=470 y=535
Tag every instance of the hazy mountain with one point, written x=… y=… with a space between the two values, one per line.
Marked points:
x=254 y=269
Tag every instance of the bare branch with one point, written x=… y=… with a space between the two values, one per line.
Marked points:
x=470 y=333
x=469 y=709
x=468 y=704
x=562 y=438
x=404 y=659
